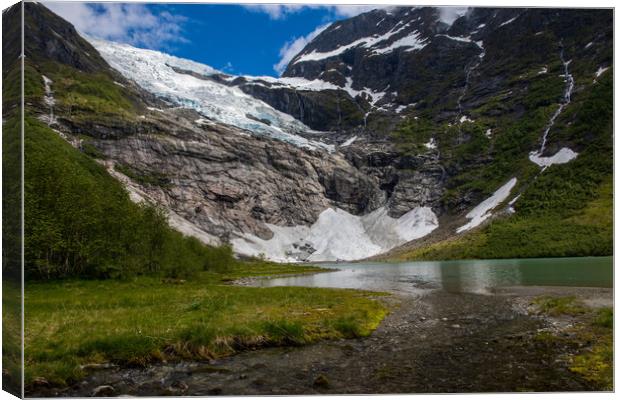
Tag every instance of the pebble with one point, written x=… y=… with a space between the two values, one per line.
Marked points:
x=215 y=391
x=103 y=391
x=321 y=382
x=40 y=381
x=97 y=366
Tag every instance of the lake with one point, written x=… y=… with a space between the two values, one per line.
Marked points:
x=459 y=276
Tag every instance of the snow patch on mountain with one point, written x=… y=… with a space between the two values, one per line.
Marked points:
x=563 y=156
x=600 y=71
x=431 y=144
x=163 y=75
x=316 y=85
x=482 y=211
x=465 y=39
x=293 y=83
x=338 y=235
x=316 y=55
x=509 y=21
x=371 y=94
x=412 y=41
x=349 y=141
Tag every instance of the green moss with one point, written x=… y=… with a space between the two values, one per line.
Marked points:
x=592 y=338
x=411 y=135
x=520 y=238
x=11 y=335
x=596 y=365
x=33 y=85
x=84 y=95
x=605 y=317
x=91 y=151
x=147 y=178
x=559 y=305
x=284 y=332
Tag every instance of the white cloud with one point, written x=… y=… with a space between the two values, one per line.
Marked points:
x=228 y=67
x=451 y=14
x=352 y=11
x=291 y=48
x=276 y=11
x=281 y=11
x=130 y=23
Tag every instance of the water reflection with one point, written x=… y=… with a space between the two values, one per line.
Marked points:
x=469 y=276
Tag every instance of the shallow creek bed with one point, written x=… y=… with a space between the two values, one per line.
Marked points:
x=514 y=339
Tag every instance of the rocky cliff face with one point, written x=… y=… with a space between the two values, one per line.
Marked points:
x=384 y=125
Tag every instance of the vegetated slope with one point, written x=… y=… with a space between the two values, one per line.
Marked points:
x=567 y=210
x=531 y=106
x=79 y=221
x=562 y=209
x=219 y=181
x=431 y=126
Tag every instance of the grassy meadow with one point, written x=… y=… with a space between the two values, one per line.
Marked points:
x=73 y=323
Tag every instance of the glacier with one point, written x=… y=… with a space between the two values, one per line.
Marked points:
x=339 y=235
x=174 y=80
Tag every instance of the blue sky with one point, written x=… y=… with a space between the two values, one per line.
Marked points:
x=242 y=40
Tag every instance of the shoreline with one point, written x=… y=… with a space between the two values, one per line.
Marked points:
x=460 y=338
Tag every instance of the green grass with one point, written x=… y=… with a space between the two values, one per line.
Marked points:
x=555 y=306
x=596 y=365
x=133 y=322
x=83 y=96
x=605 y=317
x=592 y=335
x=256 y=268
x=11 y=336
x=564 y=211
x=547 y=231
x=80 y=221
x=149 y=178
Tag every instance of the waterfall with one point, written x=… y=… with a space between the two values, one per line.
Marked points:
x=48 y=98
x=568 y=90
x=469 y=68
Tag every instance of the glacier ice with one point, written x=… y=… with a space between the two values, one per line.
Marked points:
x=339 y=235
x=185 y=83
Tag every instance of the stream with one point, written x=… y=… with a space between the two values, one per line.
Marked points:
x=453 y=327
